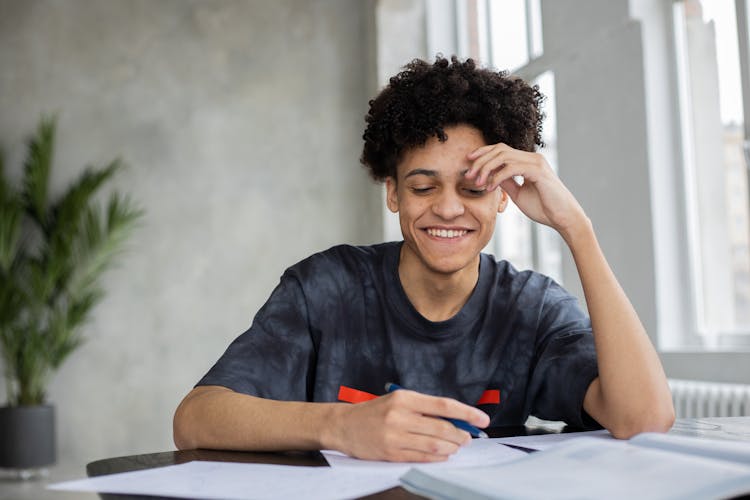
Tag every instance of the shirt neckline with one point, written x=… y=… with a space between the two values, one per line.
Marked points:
x=471 y=312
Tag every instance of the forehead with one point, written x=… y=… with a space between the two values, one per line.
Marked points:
x=442 y=159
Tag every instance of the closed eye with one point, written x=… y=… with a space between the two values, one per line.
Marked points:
x=475 y=192
x=422 y=190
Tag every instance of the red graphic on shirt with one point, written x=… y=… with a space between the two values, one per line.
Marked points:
x=490 y=397
x=349 y=395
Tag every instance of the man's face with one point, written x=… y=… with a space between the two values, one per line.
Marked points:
x=446 y=220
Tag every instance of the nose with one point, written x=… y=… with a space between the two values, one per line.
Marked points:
x=448 y=205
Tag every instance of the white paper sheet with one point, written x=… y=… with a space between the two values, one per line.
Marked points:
x=346 y=478
x=478 y=452
x=229 y=481
x=544 y=441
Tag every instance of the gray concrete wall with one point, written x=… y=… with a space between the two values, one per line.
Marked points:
x=241 y=122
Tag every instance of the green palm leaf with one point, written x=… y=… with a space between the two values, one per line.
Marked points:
x=52 y=256
x=37 y=169
x=11 y=212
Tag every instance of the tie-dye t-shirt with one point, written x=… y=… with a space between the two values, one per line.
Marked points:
x=339 y=326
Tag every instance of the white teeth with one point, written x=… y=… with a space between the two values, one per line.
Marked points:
x=446 y=233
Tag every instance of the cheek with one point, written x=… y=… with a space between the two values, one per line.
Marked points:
x=487 y=215
x=411 y=209
x=408 y=219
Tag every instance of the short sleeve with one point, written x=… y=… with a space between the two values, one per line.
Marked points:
x=565 y=362
x=274 y=358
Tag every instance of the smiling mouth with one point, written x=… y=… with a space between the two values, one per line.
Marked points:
x=446 y=233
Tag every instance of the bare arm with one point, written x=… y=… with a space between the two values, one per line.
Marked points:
x=218 y=418
x=396 y=427
x=631 y=394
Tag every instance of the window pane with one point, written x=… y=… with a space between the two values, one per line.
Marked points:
x=519 y=240
x=508 y=33
x=548 y=259
x=534 y=25
x=715 y=169
x=513 y=30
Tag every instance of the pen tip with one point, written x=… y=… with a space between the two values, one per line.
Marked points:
x=483 y=434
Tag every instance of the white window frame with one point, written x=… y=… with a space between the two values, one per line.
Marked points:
x=676 y=303
x=700 y=329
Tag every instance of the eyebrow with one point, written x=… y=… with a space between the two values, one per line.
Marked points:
x=421 y=171
x=428 y=172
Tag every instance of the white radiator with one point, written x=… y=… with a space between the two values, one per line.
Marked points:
x=693 y=399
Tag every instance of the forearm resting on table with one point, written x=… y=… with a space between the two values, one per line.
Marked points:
x=215 y=417
x=631 y=394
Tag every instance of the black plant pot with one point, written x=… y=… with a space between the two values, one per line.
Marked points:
x=27 y=436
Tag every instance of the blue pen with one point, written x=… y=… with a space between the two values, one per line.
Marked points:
x=461 y=424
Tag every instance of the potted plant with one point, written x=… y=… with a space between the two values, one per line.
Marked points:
x=52 y=254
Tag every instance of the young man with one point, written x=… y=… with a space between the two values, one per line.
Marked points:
x=473 y=338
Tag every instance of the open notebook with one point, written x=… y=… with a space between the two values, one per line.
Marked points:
x=648 y=466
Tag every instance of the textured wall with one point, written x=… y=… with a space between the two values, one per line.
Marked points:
x=241 y=122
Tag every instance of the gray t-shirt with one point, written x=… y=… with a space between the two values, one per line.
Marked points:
x=339 y=326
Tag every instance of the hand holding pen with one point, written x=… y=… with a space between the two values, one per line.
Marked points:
x=460 y=424
x=402 y=426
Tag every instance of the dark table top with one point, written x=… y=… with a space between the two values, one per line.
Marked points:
x=313 y=458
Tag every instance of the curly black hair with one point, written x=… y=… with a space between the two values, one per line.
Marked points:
x=424 y=98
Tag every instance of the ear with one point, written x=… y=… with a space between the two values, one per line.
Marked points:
x=502 y=203
x=391 y=194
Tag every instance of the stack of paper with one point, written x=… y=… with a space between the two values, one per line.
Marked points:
x=649 y=466
x=346 y=478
